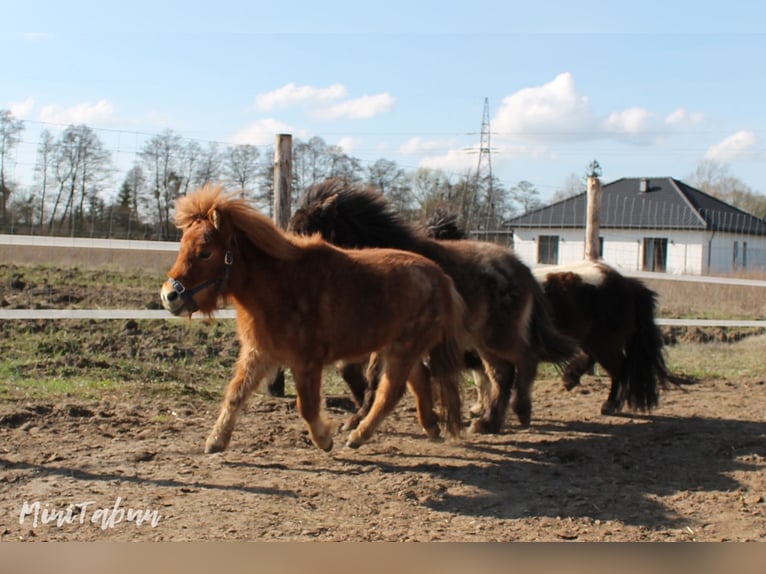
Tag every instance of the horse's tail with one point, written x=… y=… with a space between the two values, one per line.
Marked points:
x=447 y=361
x=644 y=364
x=551 y=344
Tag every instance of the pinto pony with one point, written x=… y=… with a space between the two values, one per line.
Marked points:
x=609 y=315
x=509 y=319
x=298 y=301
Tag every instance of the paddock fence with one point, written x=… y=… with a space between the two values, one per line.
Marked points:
x=159 y=255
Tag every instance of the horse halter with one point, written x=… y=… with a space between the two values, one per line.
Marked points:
x=187 y=295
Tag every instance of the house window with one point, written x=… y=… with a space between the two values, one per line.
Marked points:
x=739 y=259
x=548 y=249
x=655 y=253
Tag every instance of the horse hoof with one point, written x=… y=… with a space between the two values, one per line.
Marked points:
x=355 y=440
x=482 y=426
x=570 y=384
x=212 y=447
x=433 y=433
x=610 y=408
x=327 y=446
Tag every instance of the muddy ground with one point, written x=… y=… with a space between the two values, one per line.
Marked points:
x=127 y=463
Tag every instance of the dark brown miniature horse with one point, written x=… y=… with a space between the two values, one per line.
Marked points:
x=509 y=319
x=299 y=301
x=610 y=316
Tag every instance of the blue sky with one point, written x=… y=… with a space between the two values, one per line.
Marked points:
x=647 y=89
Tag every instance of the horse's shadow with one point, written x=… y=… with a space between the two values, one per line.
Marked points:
x=606 y=472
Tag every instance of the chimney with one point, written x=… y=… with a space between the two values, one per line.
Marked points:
x=643 y=185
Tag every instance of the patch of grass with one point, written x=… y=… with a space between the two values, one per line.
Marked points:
x=741 y=360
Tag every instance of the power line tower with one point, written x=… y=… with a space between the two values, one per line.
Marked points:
x=484 y=168
x=484 y=182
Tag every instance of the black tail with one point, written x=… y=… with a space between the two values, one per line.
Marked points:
x=644 y=367
x=551 y=345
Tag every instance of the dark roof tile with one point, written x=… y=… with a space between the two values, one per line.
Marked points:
x=656 y=203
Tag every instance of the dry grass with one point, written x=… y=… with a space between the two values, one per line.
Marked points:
x=692 y=300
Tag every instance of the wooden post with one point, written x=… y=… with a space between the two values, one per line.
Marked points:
x=593 y=219
x=283 y=175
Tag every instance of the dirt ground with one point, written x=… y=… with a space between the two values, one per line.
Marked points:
x=130 y=466
x=693 y=470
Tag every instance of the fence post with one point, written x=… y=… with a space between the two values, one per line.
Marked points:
x=593 y=219
x=283 y=176
x=283 y=166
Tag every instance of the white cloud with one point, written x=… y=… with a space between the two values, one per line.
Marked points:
x=419 y=145
x=290 y=95
x=552 y=112
x=557 y=112
x=633 y=122
x=21 y=109
x=456 y=160
x=348 y=144
x=83 y=113
x=328 y=103
x=359 y=108
x=263 y=132
x=736 y=146
x=681 y=117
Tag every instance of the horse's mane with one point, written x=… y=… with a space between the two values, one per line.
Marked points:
x=365 y=211
x=231 y=213
x=442 y=224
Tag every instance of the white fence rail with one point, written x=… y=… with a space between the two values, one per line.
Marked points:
x=164 y=246
x=139 y=314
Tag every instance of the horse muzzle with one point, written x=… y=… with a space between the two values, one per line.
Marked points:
x=173 y=301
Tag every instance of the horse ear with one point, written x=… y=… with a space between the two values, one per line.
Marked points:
x=215 y=219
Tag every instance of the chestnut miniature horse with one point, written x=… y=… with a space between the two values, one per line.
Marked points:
x=610 y=316
x=509 y=318
x=299 y=301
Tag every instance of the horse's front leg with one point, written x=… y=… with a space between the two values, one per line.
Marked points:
x=251 y=368
x=308 y=385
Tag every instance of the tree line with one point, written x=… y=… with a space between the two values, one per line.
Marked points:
x=77 y=190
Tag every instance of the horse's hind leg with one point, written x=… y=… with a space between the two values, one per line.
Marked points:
x=420 y=384
x=390 y=390
x=613 y=361
x=374 y=370
x=353 y=375
x=483 y=392
x=251 y=368
x=521 y=403
x=577 y=367
x=275 y=386
x=501 y=373
x=308 y=383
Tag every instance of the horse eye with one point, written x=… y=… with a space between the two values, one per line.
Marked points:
x=204 y=255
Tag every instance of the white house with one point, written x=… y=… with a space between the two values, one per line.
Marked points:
x=649 y=224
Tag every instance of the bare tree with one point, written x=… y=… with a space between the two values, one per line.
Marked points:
x=715 y=178
x=43 y=170
x=82 y=167
x=209 y=165
x=10 y=135
x=161 y=160
x=315 y=160
x=240 y=165
x=525 y=194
